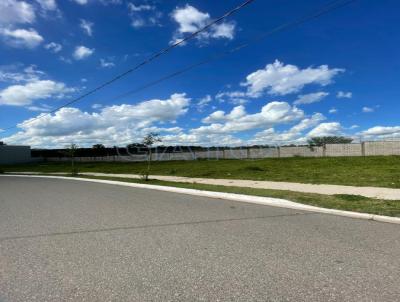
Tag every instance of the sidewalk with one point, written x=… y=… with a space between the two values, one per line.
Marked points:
x=372 y=192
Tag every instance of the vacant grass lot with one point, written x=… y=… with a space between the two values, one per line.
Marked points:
x=378 y=171
x=340 y=201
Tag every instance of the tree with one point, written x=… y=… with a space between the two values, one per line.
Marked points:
x=148 y=141
x=71 y=151
x=320 y=141
x=98 y=146
x=99 y=150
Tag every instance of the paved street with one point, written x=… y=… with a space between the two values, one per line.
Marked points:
x=65 y=240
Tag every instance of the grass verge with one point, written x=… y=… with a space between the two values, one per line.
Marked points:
x=354 y=203
x=376 y=171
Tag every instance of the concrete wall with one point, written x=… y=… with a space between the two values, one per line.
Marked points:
x=363 y=149
x=382 y=148
x=343 y=150
x=15 y=154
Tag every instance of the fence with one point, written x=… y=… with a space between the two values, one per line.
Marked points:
x=329 y=150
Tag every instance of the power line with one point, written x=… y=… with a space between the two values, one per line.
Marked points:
x=148 y=60
x=334 y=5
x=329 y=7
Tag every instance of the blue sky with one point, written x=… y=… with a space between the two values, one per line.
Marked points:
x=336 y=75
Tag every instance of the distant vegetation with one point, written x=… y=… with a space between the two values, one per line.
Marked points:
x=320 y=141
x=140 y=148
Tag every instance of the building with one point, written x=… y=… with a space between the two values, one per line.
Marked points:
x=14 y=154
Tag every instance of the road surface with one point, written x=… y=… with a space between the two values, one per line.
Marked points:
x=65 y=240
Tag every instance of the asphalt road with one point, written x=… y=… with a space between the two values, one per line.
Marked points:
x=65 y=240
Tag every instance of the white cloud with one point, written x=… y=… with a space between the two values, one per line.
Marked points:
x=238 y=119
x=106 y=64
x=21 y=95
x=82 y=52
x=21 y=38
x=10 y=74
x=139 y=8
x=310 y=98
x=204 y=102
x=326 y=129
x=190 y=19
x=144 y=15
x=81 y=2
x=14 y=12
x=295 y=135
x=280 y=79
x=368 y=109
x=381 y=132
x=47 y=4
x=53 y=47
x=119 y=124
x=234 y=97
x=344 y=95
x=87 y=27
x=333 y=110
x=40 y=108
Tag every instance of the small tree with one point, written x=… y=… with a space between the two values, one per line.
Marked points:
x=71 y=151
x=148 y=141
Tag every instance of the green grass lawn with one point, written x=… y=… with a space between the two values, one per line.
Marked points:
x=340 y=202
x=378 y=171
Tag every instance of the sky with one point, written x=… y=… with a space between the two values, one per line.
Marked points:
x=335 y=75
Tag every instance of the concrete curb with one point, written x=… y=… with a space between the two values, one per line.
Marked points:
x=274 y=202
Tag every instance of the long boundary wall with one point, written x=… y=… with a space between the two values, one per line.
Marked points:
x=330 y=150
x=15 y=154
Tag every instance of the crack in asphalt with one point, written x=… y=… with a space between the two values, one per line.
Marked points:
x=2 y=239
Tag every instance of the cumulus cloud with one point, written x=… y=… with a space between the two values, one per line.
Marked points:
x=333 y=110
x=21 y=95
x=53 y=47
x=120 y=124
x=344 y=95
x=239 y=120
x=280 y=79
x=190 y=19
x=310 y=98
x=21 y=38
x=87 y=27
x=381 y=132
x=14 y=12
x=295 y=135
x=82 y=52
x=326 y=129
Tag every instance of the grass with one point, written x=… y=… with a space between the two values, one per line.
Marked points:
x=378 y=171
x=340 y=201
